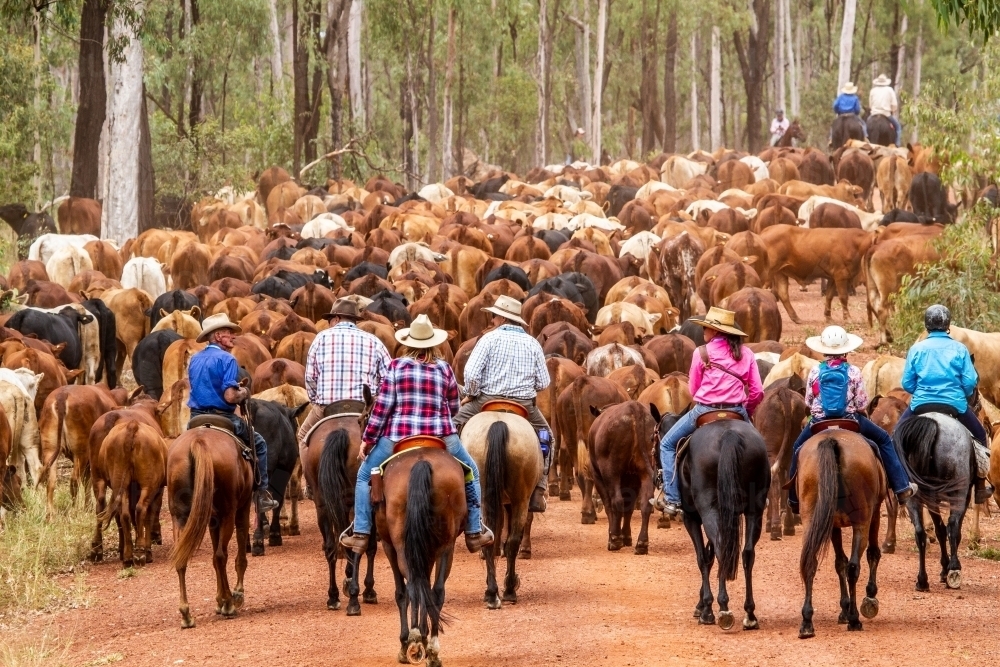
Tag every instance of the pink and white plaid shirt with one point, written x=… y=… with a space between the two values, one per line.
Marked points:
x=341 y=361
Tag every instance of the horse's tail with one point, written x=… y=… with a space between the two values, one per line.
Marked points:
x=827 y=492
x=731 y=502
x=202 y=490
x=496 y=479
x=335 y=490
x=123 y=478
x=420 y=539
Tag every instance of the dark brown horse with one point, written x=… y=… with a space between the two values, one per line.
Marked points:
x=841 y=485
x=423 y=513
x=794 y=131
x=330 y=464
x=209 y=486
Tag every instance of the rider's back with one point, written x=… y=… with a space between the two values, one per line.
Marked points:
x=939 y=370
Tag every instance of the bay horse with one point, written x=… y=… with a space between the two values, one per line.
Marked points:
x=881 y=131
x=794 y=131
x=209 y=486
x=938 y=455
x=725 y=475
x=506 y=450
x=330 y=464
x=841 y=485
x=422 y=514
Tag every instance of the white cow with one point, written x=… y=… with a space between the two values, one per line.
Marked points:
x=653 y=186
x=144 y=273
x=757 y=165
x=869 y=221
x=45 y=245
x=411 y=252
x=642 y=321
x=323 y=224
x=66 y=262
x=17 y=396
x=639 y=245
x=435 y=192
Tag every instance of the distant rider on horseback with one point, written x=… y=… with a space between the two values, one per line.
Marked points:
x=940 y=375
x=418 y=396
x=779 y=125
x=507 y=363
x=848 y=104
x=882 y=102
x=723 y=376
x=835 y=390
x=215 y=389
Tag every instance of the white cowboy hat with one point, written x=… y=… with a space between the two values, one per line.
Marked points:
x=421 y=334
x=834 y=341
x=882 y=80
x=849 y=88
x=213 y=323
x=720 y=320
x=509 y=307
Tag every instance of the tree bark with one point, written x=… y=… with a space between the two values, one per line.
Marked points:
x=336 y=76
x=447 y=163
x=649 y=95
x=753 y=59
x=354 y=63
x=36 y=29
x=846 y=43
x=147 y=180
x=918 y=55
x=669 y=84
x=695 y=131
x=433 y=120
x=541 y=128
x=602 y=26
x=197 y=83
x=794 y=64
x=779 y=55
x=277 y=79
x=93 y=100
x=715 y=91
x=897 y=53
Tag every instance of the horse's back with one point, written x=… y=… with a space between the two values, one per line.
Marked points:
x=942 y=458
x=447 y=490
x=222 y=451
x=706 y=450
x=317 y=442
x=856 y=455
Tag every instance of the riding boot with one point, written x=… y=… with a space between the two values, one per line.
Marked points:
x=983 y=488
x=356 y=542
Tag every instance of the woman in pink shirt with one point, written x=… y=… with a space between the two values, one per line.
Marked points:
x=723 y=376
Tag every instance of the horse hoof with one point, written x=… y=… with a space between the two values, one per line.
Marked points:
x=954 y=579
x=726 y=619
x=854 y=626
x=750 y=624
x=187 y=622
x=416 y=652
x=353 y=608
x=663 y=521
x=510 y=597
x=627 y=541
x=889 y=548
x=128 y=563
x=614 y=545
x=869 y=607
x=706 y=619
x=274 y=540
x=807 y=632
x=775 y=536
x=157 y=540
x=564 y=496
x=588 y=519
x=524 y=554
x=369 y=597
x=922 y=587
x=333 y=605
x=257 y=550
x=553 y=489
x=401 y=656
x=492 y=603
x=641 y=548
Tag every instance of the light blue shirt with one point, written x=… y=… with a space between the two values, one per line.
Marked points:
x=939 y=370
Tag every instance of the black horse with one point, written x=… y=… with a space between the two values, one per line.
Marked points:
x=725 y=474
x=881 y=131
x=846 y=127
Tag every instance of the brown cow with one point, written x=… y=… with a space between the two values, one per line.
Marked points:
x=555 y=309
x=562 y=372
x=55 y=374
x=105 y=259
x=289 y=324
x=832 y=216
x=750 y=245
x=775 y=214
x=250 y=353
x=441 y=311
x=633 y=379
x=269 y=178
x=565 y=340
x=757 y=313
x=173 y=411
x=780 y=418
x=782 y=170
x=728 y=221
x=670 y=394
x=673 y=352
x=79 y=215
x=24 y=271
x=815 y=167
x=712 y=257
x=893 y=177
x=527 y=247
x=276 y=372
x=857 y=168
x=733 y=174
x=294 y=347
x=47 y=294
x=729 y=278
x=190 y=266
x=235 y=308
x=885 y=265
x=207 y=297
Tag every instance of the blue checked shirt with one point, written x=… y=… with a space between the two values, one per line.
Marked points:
x=341 y=361
x=506 y=362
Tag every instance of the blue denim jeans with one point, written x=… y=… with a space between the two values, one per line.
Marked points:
x=684 y=427
x=899 y=129
x=894 y=471
x=240 y=426
x=381 y=452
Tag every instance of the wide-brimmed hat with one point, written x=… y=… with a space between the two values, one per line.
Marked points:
x=213 y=323
x=849 y=88
x=720 y=320
x=344 y=308
x=421 y=334
x=834 y=341
x=882 y=80
x=507 y=306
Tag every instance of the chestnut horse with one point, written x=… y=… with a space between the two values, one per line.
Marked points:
x=423 y=513
x=209 y=486
x=841 y=485
x=794 y=131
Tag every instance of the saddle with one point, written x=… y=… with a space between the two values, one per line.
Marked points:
x=377 y=492
x=716 y=416
x=345 y=407
x=843 y=424
x=504 y=405
x=417 y=441
x=220 y=423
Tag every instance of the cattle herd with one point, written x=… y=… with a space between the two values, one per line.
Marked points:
x=609 y=262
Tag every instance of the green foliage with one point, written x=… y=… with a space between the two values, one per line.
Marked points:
x=964 y=280
x=989 y=553
x=982 y=17
x=16 y=133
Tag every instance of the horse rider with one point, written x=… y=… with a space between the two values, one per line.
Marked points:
x=882 y=102
x=779 y=125
x=579 y=150
x=835 y=390
x=418 y=396
x=342 y=361
x=215 y=389
x=723 y=376
x=509 y=364
x=848 y=104
x=940 y=376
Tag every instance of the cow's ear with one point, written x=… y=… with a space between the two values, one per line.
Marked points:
x=59 y=347
x=196 y=312
x=163 y=312
x=595 y=411
x=451 y=334
x=398 y=324
x=73 y=374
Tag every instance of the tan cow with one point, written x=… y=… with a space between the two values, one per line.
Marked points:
x=671 y=395
x=177 y=358
x=893 y=178
x=796 y=364
x=644 y=322
x=184 y=322
x=985 y=349
x=843 y=190
x=882 y=374
x=18 y=389
x=886 y=263
x=67 y=262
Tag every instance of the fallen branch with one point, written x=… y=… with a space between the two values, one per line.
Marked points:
x=351 y=149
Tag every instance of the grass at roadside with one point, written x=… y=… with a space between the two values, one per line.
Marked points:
x=41 y=559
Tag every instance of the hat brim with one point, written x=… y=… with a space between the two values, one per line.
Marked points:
x=849 y=91
x=403 y=338
x=881 y=81
x=504 y=313
x=724 y=328
x=203 y=336
x=345 y=316
x=815 y=343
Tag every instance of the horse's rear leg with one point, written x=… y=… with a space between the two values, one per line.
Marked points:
x=840 y=564
x=402 y=600
x=891 y=512
x=443 y=568
x=186 y=619
x=242 y=538
x=859 y=542
x=222 y=533
x=752 y=535
x=774 y=508
x=869 y=606
x=524 y=552
x=369 y=596
x=920 y=537
x=954 y=577
x=257 y=545
x=705 y=555
x=941 y=531
x=511 y=581
x=330 y=553
x=492 y=595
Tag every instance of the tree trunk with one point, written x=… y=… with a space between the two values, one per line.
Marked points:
x=447 y=163
x=715 y=91
x=336 y=34
x=197 y=84
x=794 y=64
x=121 y=200
x=897 y=54
x=918 y=54
x=36 y=29
x=93 y=100
x=147 y=181
x=602 y=26
x=300 y=69
x=695 y=131
x=541 y=130
x=354 y=63
x=649 y=97
x=277 y=81
x=753 y=60
x=779 y=55
x=846 y=43
x=669 y=83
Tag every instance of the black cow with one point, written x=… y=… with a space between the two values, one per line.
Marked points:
x=553 y=238
x=898 y=215
x=364 y=269
x=694 y=331
x=489 y=186
x=930 y=200
x=515 y=274
x=573 y=286
x=618 y=196
x=391 y=305
x=109 y=340
x=284 y=252
x=168 y=302
x=60 y=327
x=273 y=286
x=297 y=280
x=147 y=360
x=318 y=243
x=27 y=226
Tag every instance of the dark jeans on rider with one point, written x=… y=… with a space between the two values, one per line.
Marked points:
x=894 y=470
x=240 y=426
x=968 y=419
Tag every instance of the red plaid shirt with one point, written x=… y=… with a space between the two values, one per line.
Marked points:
x=414 y=399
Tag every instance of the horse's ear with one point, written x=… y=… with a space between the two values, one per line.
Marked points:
x=595 y=411
x=299 y=410
x=656 y=413
x=873 y=404
x=367 y=393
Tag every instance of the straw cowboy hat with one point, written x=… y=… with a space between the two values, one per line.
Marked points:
x=509 y=307
x=215 y=322
x=421 y=334
x=882 y=80
x=834 y=341
x=849 y=88
x=720 y=320
x=345 y=309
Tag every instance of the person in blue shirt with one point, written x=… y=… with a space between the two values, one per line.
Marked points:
x=940 y=376
x=215 y=389
x=847 y=101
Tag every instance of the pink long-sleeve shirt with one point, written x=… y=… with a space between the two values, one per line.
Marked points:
x=711 y=385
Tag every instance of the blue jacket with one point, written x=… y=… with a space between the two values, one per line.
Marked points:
x=939 y=370
x=847 y=104
x=211 y=372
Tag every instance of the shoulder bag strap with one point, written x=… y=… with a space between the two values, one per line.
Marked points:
x=703 y=351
